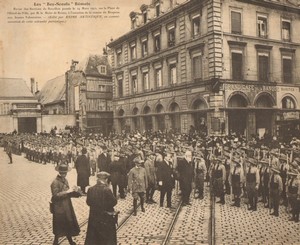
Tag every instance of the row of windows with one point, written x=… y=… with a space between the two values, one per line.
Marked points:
x=158 y=73
x=98 y=105
x=95 y=86
x=263 y=65
x=262 y=24
x=156 y=41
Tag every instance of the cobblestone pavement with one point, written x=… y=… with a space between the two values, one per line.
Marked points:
x=192 y=225
x=240 y=226
x=25 y=217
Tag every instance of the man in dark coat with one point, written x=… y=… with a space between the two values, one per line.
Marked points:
x=103 y=160
x=64 y=219
x=117 y=172
x=186 y=173
x=83 y=169
x=102 y=223
x=165 y=178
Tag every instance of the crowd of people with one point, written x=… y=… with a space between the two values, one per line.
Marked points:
x=258 y=170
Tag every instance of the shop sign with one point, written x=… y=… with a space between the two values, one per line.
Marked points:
x=290 y=115
x=249 y=88
x=258 y=88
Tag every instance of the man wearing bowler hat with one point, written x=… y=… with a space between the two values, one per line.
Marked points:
x=64 y=218
x=83 y=169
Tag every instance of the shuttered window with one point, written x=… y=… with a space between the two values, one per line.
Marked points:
x=237 y=66
x=197 y=67
x=120 y=87
x=287 y=70
x=236 y=25
x=263 y=67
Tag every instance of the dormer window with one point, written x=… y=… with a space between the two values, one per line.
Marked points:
x=157 y=9
x=132 y=16
x=145 y=16
x=133 y=20
x=103 y=70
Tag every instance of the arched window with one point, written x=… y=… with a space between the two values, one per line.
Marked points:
x=288 y=103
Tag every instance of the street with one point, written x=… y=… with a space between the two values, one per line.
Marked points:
x=25 y=217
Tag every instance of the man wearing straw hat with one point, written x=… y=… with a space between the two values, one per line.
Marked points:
x=137 y=184
x=200 y=173
x=237 y=180
x=218 y=179
x=275 y=186
x=252 y=183
x=293 y=191
x=265 y=182
x=64 y=218
x=284 y=167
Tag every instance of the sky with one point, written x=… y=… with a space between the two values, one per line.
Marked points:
x=44 y=51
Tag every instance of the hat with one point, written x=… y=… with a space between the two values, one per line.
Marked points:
x=138 y=160
x=293 y=172
x=297 y=159
x=275 y=169
x=283 y=157
x=237 y=160
x=84 y=150
x=264 y=161
x=252 y=161
x=63 y=168
x=103 y=175
x=221 y=159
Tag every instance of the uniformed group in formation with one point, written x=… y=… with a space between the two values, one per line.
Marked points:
x=257 y=170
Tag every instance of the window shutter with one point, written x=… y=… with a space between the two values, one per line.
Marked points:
x=236 y=23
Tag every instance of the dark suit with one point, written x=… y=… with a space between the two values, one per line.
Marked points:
x=165 y=174
x=103 y=163
x=82 y=166
x=101 y=227
x=186 y=173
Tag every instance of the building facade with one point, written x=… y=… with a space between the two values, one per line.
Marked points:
x=95 y=95
x=220 y=66
x=19 y=109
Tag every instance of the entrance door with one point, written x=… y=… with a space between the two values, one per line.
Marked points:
x=27 y=125
x=237 y=121
x=148 y=123
x=264 y=123
x=160 y=119
x=200 y=122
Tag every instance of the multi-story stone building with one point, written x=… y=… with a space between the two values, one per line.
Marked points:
x=221 y=66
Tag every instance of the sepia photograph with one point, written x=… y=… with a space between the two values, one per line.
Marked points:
x=149 y=122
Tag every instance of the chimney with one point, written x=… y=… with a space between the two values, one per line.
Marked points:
x=32 y=85
x=37 y=87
